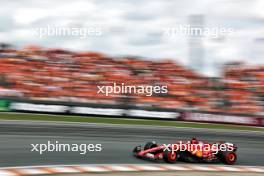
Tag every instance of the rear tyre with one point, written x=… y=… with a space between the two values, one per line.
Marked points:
x=228 y=157
x=150 y=145
x=136 y=150
x=170 y=157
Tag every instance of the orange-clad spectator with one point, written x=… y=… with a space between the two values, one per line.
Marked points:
x=61 y=75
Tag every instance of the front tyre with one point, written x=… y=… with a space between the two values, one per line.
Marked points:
x=170 y=157
x=228 y=157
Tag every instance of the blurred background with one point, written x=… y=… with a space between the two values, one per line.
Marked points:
x=60 y=51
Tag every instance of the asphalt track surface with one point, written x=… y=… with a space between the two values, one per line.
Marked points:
x=117 y=142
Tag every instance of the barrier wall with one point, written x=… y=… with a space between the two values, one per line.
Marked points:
x=121 y=111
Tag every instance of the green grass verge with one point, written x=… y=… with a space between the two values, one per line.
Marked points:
x=34 y=117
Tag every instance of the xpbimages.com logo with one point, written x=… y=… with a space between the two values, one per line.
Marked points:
x=204 y=147
x=62 y=147
x=62 y=31
x=128 y=89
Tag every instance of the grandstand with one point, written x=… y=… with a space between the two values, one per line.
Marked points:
x=35 y=73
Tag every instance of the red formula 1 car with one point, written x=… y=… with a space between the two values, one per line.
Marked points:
x=189 y=151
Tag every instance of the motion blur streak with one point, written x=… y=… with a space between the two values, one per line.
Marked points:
x=118 y=142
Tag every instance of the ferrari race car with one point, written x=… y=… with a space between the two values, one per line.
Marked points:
x=194 y=151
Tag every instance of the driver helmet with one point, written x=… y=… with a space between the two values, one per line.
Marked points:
x=194 y=141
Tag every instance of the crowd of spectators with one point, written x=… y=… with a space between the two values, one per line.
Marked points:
x=60 y=75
